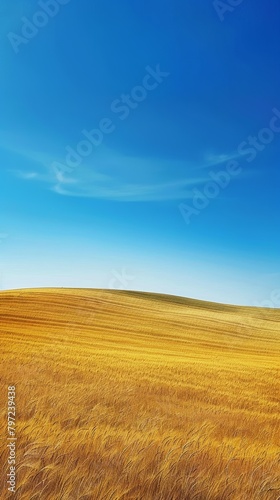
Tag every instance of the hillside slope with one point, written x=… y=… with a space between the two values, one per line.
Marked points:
x=126 y=395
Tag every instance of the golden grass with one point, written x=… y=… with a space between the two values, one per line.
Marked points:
x=125 y=396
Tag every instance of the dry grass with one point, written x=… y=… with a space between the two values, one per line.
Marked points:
x=125 y=396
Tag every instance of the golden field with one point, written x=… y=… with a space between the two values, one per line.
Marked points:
x=131 y=396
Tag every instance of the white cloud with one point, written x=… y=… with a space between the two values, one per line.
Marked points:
x=211 y=159
x=114 y=176
x=26 y=175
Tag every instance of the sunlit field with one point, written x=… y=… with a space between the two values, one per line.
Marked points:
x=131 y=396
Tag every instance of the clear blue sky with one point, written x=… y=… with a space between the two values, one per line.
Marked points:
x=117 y=209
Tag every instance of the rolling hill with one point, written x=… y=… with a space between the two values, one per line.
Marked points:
x=126 y=396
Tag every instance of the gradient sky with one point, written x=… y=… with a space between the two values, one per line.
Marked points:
x=117 y=212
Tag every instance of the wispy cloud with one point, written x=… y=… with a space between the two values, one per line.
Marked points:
x=26 y=175
x=212 y=160
x=114 y=176
x=131 y=192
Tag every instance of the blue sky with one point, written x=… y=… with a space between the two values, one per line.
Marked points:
x=173 y=96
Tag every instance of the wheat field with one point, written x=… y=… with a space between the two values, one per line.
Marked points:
x=130 y=396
